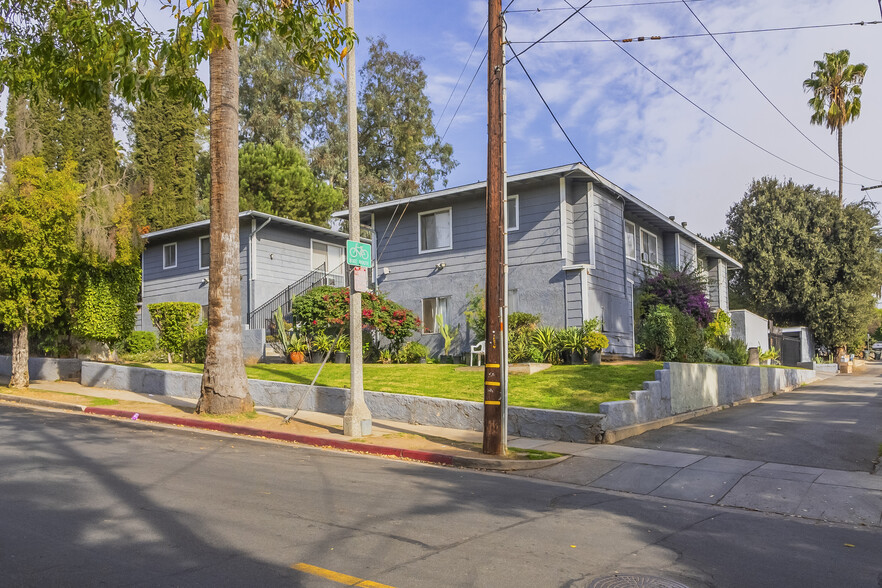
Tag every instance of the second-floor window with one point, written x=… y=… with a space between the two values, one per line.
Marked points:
x=169 y=255
x=204 y=252
x=630 y=240
x=648 y=248
x=435 y=230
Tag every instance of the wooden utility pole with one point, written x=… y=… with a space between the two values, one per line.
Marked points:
x=494 y=371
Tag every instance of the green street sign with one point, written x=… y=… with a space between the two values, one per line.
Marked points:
x=358 y=254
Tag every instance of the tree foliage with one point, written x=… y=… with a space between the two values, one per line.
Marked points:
x=37 y=207
x=276 y=179
x=836 y=95
x=400 y=153
x=164 y=161
x=807 y=260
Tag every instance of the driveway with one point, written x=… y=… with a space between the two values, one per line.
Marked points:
x=833 y=424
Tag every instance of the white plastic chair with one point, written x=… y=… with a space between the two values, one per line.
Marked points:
x=477 y=349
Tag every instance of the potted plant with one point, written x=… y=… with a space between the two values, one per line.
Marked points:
x=595 y=343
x=570 y=341
x=449 y=335
x=341 y=350
x=297 y=348
x=319 y=347
x=545 y=339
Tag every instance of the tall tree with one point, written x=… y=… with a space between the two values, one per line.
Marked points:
x=276 y=179
x=164 y=161
x=36 y=251
x=400 y=153
x=275 y=94
x=72 y=51
x=836 y=95
x=807 y=260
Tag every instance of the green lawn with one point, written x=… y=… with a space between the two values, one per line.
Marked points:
x=576 y=388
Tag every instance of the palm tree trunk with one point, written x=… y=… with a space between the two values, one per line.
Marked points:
x=224 y=383
x=20 y=376
x=840 y=164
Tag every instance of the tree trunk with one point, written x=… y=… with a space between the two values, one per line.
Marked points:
x=224 y=383
x=840 y=165
x=20 y=376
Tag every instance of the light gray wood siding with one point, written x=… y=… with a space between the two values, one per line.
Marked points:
x=185 y=282
x=713 y=282
x=579 y=201
x=687 y=253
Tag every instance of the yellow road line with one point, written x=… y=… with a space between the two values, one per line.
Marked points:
x=337 y=577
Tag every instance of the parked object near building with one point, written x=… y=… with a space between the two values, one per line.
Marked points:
x=578 y=247
x=278 y=258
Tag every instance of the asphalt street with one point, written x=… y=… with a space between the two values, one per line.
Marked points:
x=86 y=501
x=834 y=424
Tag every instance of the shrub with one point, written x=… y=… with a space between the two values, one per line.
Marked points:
x=720 y=326
x=736 y=349
x=324 y=307
x=546 y=342
x=447 y=333
x=140 y=342
x=522 y=320
x=680 y=289
x=712 y=355
x=570 y=339
x=688 y=339
x=596 y=341
x=174 y=321
x=772 y=354
x=657 y=332
x=195 y=344
x=412 y=352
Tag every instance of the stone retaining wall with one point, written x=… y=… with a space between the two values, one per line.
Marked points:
x=421 y=410
x=685 y=387
x=45 y=368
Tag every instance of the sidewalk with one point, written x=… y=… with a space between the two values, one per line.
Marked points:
x=807 y=492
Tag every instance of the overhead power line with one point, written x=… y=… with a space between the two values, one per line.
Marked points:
x=763 y=94
x=694 y=35
x=550 y=111
x=704 y=111
x=555 y=8
x=560 y=24
x=464 y=66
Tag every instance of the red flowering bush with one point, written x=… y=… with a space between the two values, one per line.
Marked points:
x=324 y=308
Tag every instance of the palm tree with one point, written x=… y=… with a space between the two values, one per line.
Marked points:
x=224 y=383
x=836 y=95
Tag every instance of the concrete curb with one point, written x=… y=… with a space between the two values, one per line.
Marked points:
x=431 y=457
x=41 y=402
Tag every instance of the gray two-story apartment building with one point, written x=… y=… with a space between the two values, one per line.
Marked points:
x=274 y=254
x=578 y=247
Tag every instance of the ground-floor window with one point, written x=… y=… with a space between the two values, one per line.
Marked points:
x=433 y=309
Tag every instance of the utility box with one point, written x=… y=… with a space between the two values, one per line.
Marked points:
x=846 y=364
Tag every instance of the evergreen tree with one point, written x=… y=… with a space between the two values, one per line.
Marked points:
x=807 y=261
x=164 y=161
x=276 y=179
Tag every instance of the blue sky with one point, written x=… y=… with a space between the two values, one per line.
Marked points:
x=628 y=125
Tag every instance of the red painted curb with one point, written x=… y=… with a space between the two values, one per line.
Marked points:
x=413 y=454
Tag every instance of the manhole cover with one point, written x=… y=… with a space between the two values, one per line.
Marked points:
x=634 y=581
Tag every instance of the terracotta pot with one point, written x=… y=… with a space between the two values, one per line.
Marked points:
x=296 y=357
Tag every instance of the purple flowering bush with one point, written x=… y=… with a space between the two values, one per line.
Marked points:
x=680 y=289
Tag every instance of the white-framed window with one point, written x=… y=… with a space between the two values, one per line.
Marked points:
x=433 y=308
x=435 y=230
x=332 y=256
x=630 y=240
x=204 y=252
x=648 y=247
x=169 y=255
x=513 y=205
